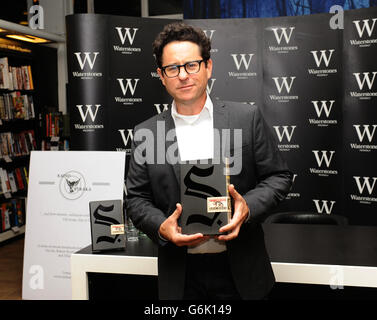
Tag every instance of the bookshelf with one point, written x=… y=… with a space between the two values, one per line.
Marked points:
x=55 y=128
x=17 y=140
x=28 y=88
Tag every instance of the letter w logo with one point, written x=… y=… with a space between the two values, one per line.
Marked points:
x=284 y=83
x=283 y=33
x=366 y=131
x=210 y=35
x=324 y=157
x=127 y=34
x=285 y=132
x=242 y=60
x=365 y=79
x=130 y=136
x=324 y=107
x=366 y=183
x=165 y=106
x=128 y=85
x=366 y=27
x=323 y=56
x=87 y=58
x=88 y=111
x=325 y=207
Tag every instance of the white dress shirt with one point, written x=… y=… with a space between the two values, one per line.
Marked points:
x=195 y=141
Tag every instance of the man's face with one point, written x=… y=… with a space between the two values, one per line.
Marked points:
x=186 y=89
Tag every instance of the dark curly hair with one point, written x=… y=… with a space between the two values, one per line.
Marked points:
x=178 y=31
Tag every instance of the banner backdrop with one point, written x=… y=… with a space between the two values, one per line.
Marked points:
x=315 y=86
x=302 y=90
x=111 y=67
x=360 y=115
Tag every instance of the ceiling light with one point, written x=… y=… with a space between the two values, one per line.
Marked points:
x=27 y=38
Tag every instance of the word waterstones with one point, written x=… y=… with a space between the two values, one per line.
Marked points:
x=88 y=127
x=323 y=172
x=283 y=48
x=363 y=199
x=363 y=147
x=283 y=98
x=126 y=50
x=87 y=74
x=322 y=72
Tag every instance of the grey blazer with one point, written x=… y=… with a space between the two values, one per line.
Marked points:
x=153 y=191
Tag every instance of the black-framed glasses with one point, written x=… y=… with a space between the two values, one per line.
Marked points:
x=173 y=70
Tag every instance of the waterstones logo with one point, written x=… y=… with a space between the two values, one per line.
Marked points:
x=127 y=136
x=210 y=85
x=364 y=82
x=88 y=113
x=242 y=62
x=86 y=62
x=161 y=107
x=323 y=109
x=128 y=87
x=324 y=206
x=209 y=34
x=284 y=87
x=365 y=134
x=127 y=38
x=323 y=159
x=322 y=59
x=365 y=29
x=284 y=134
x=365 y=186
x=283 y=37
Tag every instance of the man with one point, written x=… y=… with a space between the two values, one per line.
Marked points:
x=230 y=266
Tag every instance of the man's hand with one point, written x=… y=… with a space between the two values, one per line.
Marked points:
x=241 y=212
x=170 y=230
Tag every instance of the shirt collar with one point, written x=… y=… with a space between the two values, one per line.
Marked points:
x=208 y=108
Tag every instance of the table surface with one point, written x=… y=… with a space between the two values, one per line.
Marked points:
x=291 y=243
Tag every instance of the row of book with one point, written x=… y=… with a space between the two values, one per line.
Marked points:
x=15 y=78
x=15 y=105
x=55 y=144
x=17 y=144
x=52 y=124
x=13 y=180
x=12 y=214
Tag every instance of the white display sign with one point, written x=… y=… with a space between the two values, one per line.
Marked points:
x=61 y=184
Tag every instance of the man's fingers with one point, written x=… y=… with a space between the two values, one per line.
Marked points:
x=228 y=227
x=188 y=240
x=233 y=223
x=233 y=192
x=198 y=241
x=230 y=236
x=177 y=212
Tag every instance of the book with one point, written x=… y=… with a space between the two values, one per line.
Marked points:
x=206 y=204
x=6 y=224
x=4 y=73
x=107 y=225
